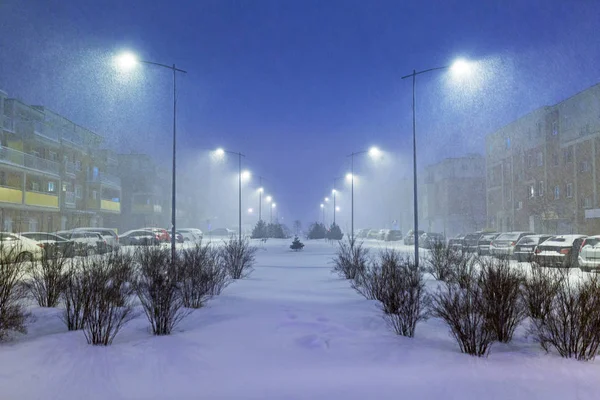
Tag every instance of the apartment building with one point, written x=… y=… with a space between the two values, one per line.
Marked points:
x=542 y=169
x=452 y=196
x=53 y=174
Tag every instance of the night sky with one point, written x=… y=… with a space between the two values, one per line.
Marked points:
x=297 y=84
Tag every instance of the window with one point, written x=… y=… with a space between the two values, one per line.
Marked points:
x=519 y=205
x=509 y=195
x=586 y=202
x=94 y=194
x=7 y=224
x=78 y=165
x=35 y=186
x=2 y=178
x=33 y=225
x=556 y=192
x=53 y=156
x=540 y=159
x=540 y=188
x=568 y=154
x=531 y=191
x=51 y=186
x=555 y=159
x=530 y=161
x=584 y=166
x=555 y=128
x=569 y=190
x=78 y=191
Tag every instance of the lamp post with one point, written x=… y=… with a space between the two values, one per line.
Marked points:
x=459 y=67
x=334 y=193
x=373 y=152
x=323 y=210
x=221 y=152
x=260 y=193
x=128 y=61
x=272 y=208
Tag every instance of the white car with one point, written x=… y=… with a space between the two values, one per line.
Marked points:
x=560 y=251
x=589 y=254
x=86 y=243
x=194 y=231
x=189 y=237
x=15 y=247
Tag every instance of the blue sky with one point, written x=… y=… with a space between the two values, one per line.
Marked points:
x=297 y=84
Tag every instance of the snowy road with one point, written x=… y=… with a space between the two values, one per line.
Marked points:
x=291 y=331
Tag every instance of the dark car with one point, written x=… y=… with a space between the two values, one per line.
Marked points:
x=456 y=243
x=471 y=242
x=53 y=245
x=429 y=239
x=409 y=239
x=483 y=245
x=526 y=246
x=139 y=237
x=393 y=236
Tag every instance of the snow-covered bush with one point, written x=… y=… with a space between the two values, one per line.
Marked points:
x=260 y=230
x=201 y=274
x=238 y=257
x=442 y=260
x=460 y=306
x=334 y=232
x=297 y=245
x=47 y=279
x=317 y=230
x=110 y=304
x=502 y=304
x=540 y=288
x=158 y=287
x=572 y=323
x=351 y=259
x=13 y=315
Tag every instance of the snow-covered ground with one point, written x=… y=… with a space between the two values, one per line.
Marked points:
x=292 y=330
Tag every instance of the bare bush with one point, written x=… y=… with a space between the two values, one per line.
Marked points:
x=76 y=294
x=351 y=259
x=442 y=260
x=238 y=257
x=539 y=289
x=202 y=275
x=463 y=271
x=158 y=288
x=13 y=315
x=460 y=308
x=110 y=303
x=572 y=324
x=47 y=279
x=502 y=304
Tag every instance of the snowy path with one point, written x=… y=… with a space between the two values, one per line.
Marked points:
x=290 y=331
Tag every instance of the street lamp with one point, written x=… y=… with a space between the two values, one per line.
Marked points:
x=323 y=209
x=128 y=61
x=334 y=194
x=272 y=208
x=373 y=152
x=459 y=67
x=220 y=152
x=260 y=193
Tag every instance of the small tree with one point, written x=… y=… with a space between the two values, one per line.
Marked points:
x=275 y=231
x=317 y=231
x=297 y=245
x=47 y=279
x=335 y=233
x=442 y=260
x=260 y=230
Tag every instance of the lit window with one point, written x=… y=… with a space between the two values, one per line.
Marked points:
x=569 y=190
x=556 y=192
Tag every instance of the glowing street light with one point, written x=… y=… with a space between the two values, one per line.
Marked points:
x=374 y=152
x=250 y=211
x=127 y=61
x=261 y=190
x=337 y=209
x=349 y=177
x=323 y=210
x=269 y=199
x=245 y=175
x=273 y=205
x=326 y=199
x=459 y=68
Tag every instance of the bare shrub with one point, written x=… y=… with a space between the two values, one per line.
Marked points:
x=351 y=259
x=110 y=303
x=539 y=289
x=238 y=257
x=463 y=271
x=502 y=303
x=13 y=315
x=47 y=279
x=157 y=286
x=441 y=261
x=572 y=324
x=202 y=275
x=76 y=294
x=459 y=306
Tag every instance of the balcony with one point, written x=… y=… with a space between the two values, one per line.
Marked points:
x=41 y=199
x=106 y=179
x=104 y=205
x=20 y=159
x=138 y=208
x=45 y=132
x=70 y=168
x=73 y=139
x=11 y=195
x=8 y=124
x=69 y=199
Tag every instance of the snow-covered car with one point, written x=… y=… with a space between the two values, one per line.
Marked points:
x=393 y=235
x=188 y=237
x=589 y=253
x=526 y=246
x=456 y=243
x=409 y=239
x=52 y=244
x=197 y=233
x=222 y=232
x=504 y=244
x=86 y=243
x=109 y=235
x=559 y=251
x=429 y=239
x=484 y=242
x=14 y=247
x=139 y=237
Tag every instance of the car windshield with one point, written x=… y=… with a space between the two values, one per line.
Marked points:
x=508 y=236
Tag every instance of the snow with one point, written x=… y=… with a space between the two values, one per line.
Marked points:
x=293 y=330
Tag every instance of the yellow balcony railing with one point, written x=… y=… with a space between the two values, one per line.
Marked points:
x=110 y=205
x=41 y=199
x=11 y=195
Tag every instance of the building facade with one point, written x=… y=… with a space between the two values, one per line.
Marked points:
x=542 y=169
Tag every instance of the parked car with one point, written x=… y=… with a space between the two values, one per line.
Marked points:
x=197 y=233
x=189 y=237
x=471 y=242
x=429 y=239
x=86 y=243
x=456 y=243
x=483 y=244
x=559 y=251
x=162 y=233
x=109 y=235
x=383 y=233
x=504 y=244
x=589 y=253
x=15 y=247
x=362 y=233
x=222 y=232
x=52 y=244
x=373 y=234
x=393 y=235
x=526 y=246
x=139 y=237
x=409 y=239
